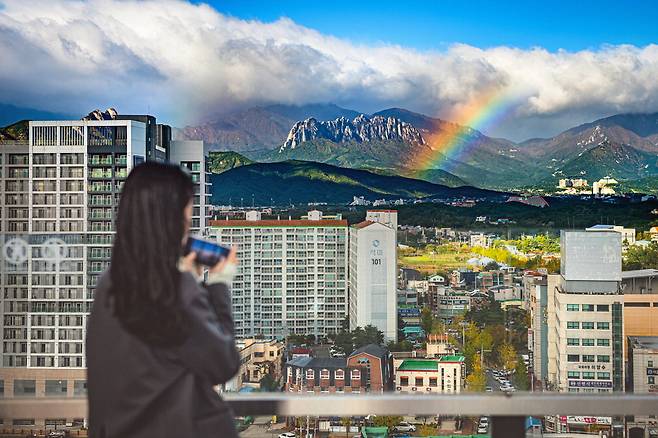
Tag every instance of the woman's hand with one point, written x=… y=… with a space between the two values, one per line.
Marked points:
x=230 y=260
x=188 y=264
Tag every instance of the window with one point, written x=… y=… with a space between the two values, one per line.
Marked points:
x=2 y=388
x=310 y=375
x=433 y=381
x=573 y=325
x=588 y=307
x=588 y=358
x=650 y=364
x=603 y=376
x=56 y=388
x=603 y=325
x=603 y=358
x=573 y=374
x=340 y=375
x=572 y=307
x=80 y=387
x=23 y=422
x=603 y=342
x=602 y=308
x=25 y=388
x=588 y=342
x=573 y=341
x=419 y=381
x=404 y=381
x=356 y=375
x=588 y=375
x=324 y=374
x=651 y=380
x=573 y=357
x=587 y=325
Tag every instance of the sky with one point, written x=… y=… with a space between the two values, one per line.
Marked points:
x=548 y=66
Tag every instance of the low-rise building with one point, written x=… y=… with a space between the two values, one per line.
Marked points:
x=443 y=375
x=627 y=234
x=258 y=358
x=642 y=378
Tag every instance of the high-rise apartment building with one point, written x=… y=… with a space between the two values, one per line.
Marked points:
x=60 y=193
x=191 y=155
x=373 y=272
x=292 y=277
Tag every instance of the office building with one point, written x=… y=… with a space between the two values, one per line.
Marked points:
x=60 y=193
x=642 y=379
x=192 y=156
x=372 y=273
x=292 y=276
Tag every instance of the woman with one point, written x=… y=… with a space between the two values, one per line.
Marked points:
x=158 y=339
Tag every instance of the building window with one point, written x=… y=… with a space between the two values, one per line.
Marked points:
x=572 y=307
x=573 y=357
x=587 y=325
x=340 y=375
x=603 y=342
x=650 y=364
x=587 y=342
x=310 y=375
x=603 y=358
x=573 y=374
x=588 y=375
x=419 y=381
x=80 y=388
x=25 y=388
x=573 y=325
x=573 y=341
x=433 y=381
x=603 y=376
x=588 y=358
x=588 y=307
x=602 y=308
x=324 y=374
x=404 y=381
x=56 y=388
x=356 y=375
x=651 y=380
x=23 y=422
x=603 y=325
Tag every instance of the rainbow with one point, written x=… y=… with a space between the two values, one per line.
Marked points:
x=451 y=142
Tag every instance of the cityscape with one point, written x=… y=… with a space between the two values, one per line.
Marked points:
x=482 y=241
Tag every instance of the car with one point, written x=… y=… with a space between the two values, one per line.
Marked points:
x=482 y=429
x=484 y=420
x=287 y=435
x=405 y=427
x=488 y=389
x=57 y=434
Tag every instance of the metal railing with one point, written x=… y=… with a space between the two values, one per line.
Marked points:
x=508 y=412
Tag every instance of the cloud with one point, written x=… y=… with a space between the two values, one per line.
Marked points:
x=187 y=61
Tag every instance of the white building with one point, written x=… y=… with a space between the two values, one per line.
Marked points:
x=192 y=156
x=60 y=193
x=372 y=273
x=627 y=234
x=292 y=276
x=443 y=375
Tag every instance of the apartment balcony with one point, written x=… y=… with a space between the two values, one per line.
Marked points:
x=508 y=412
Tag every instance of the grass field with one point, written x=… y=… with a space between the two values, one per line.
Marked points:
x=433 y=262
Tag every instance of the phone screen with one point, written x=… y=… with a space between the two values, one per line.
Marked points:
x=207 y=253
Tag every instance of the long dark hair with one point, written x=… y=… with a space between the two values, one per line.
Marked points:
x=145 y=280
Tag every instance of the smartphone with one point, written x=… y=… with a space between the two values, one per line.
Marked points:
x=207 y=253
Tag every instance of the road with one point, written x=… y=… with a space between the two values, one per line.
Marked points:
x=491 y=381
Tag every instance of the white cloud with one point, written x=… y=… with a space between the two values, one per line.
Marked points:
x=184 y=61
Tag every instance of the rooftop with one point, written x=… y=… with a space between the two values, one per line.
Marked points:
x=319 y=362
x=644 y=342
x=419 y=365
x=279 y=223
x=639 y=273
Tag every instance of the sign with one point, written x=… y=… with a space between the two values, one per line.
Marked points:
x=573 y=419
x=590 y=384
x=652 y=371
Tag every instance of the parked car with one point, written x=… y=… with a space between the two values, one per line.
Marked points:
x=287 y=435
x=488 y=389
x=405 y=427
x=482 y=429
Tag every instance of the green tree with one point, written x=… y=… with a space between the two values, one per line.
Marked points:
x=638 y=257
x=427 y=430
x=388 y=421
x=268 y=384
x=426 y=320
x=347 y=422
x=520 y=378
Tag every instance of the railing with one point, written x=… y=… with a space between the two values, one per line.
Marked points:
x=508 y=412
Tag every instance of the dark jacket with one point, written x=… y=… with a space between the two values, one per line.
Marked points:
x=136 y=390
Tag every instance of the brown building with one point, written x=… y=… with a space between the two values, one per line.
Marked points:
x=367 y=369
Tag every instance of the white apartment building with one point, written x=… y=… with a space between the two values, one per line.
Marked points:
x=585 y=327
x=60 y=193
x=372 y=273
x=191 y=155
x=292 y=277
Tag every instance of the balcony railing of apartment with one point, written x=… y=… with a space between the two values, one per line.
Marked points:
x=508 y=412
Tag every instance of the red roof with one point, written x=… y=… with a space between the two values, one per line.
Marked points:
x=363 y=224
x=279 y=223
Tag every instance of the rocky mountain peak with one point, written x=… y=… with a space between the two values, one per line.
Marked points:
x=108 y=114
x=361 y=129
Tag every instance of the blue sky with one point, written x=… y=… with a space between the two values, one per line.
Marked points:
x=572 y=25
